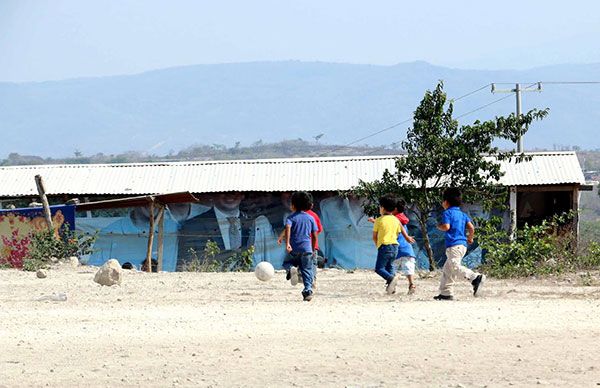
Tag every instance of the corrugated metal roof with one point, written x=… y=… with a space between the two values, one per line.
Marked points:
x=311 y=174
x=545 y=168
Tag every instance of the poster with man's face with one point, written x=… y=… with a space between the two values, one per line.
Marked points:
x=235 y=221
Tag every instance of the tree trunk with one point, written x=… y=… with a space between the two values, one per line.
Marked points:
x=426 y=243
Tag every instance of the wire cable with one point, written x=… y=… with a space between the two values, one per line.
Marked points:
x=571 y=82
x=470 y=93
x=551 y=82
x=394 y=125
x=510 y=94
x=484 y=106
x=365 y=137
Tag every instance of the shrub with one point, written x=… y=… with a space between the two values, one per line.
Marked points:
x=239 y=261
x=590 y=259
x=44 y=245
x=207 y=263
x=548 y=248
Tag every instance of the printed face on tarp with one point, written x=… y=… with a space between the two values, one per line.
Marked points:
x=345 y=241
x=228 y=201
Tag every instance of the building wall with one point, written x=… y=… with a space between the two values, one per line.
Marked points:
x=346 y=240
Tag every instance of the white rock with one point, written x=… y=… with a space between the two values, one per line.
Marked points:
x=41 y=273
x=109 y=274
x=73 y=261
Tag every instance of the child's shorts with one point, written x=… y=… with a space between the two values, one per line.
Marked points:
x=406 y=265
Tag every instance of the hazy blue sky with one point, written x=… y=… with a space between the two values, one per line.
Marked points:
x=42 y=40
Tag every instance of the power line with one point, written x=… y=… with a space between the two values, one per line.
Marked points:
x=366 y=137
x=551 y=82
x=488 y=104
x=470 y=93
x=571 y=82
x=395 y=125
x=484 y=106
x=467 y=113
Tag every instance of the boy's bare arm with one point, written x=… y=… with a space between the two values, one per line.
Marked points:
x=375 y=238
x=281 y=237
x=288 y=229
x=314 y=237
x=406 y=236
x=470 y=232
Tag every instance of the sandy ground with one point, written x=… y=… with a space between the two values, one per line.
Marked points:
x=187 y=329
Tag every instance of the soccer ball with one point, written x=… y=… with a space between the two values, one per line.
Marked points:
x=264 y=271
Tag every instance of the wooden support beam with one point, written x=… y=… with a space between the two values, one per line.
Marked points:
x=161 y=235
x=513 y=212
x=575 y=208
x=150 y=237
x=42 y=192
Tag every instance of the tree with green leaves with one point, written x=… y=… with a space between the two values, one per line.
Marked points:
x=440 y=153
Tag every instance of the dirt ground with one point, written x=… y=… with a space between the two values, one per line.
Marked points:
x=221 y=330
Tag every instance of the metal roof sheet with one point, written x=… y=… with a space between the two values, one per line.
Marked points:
x=311 y=174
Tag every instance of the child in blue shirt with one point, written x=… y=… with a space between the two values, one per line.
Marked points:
x=405 y=259
x=454 y=223
x=301 y=238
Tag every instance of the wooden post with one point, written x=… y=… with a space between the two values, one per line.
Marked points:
x=576 y=195
x=161 y=233
x=150 y=237
x=88 y=214
x=42 y=192
x=513 y=212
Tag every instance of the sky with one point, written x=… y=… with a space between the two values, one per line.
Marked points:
x=49 y=40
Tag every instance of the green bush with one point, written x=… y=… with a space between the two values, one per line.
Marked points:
x=548 y=248
x=239 y=261
x=44 y=245
x=207 y=263
x=590 y=259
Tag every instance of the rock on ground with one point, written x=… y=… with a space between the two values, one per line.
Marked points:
x=109 y=274
x=41 y=273
x=73 y=261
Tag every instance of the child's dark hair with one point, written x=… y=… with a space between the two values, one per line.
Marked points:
x=400 y=205
x=302 y=201
x=388 y=202
x=453 y=196
x=153 y=264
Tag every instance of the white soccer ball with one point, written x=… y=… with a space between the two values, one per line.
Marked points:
x=264 y=271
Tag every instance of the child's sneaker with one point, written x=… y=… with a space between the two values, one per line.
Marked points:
x=294 y=276
x=411 y=289
x=308 y=295
x=477 y=283
x=443 y=297
x=391 y=286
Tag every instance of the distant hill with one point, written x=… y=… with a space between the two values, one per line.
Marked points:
x=167 y=110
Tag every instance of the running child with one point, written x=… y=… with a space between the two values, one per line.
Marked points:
x=385 y=236
x=301 y=240
x=405 y=259
x=320 y=260
x=454 y=223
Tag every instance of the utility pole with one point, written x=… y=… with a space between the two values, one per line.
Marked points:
x=517 y=91
x=518 y=95
x=513 y=190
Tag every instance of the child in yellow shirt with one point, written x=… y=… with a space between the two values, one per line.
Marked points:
x=385 y=236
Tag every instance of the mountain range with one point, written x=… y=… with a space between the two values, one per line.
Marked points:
x=167 y=110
